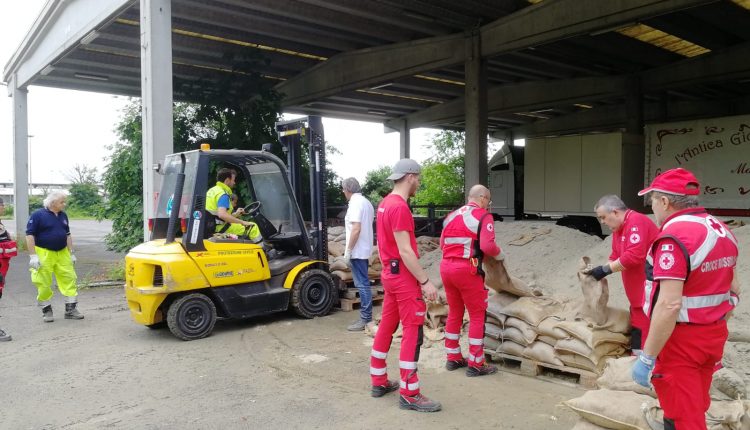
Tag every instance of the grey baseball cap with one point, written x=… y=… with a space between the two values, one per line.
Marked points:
x=403 y=167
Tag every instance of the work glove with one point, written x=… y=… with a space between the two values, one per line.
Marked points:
x=73 y=258
x=34 y=262
x=642 y=369
x=599 y=272
x=348 y=257
x=500 y=256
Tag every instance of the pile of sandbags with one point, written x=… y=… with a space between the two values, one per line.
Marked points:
x=620 y=403
x=336 y=248
x=551 y=331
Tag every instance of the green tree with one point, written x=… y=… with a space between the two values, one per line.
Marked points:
x=376 y=185
x=84 y=191
x=442 y=181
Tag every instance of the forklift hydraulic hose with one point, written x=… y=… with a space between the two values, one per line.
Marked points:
x=177 y=201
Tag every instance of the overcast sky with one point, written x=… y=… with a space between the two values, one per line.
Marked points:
x=73 y=127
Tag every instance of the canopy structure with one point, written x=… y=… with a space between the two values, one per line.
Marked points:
x=505 y=68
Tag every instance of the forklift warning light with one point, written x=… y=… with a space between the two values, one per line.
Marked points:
x=205 y=146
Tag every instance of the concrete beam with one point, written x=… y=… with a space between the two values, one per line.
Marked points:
x=156 y=88
x=539 y=24
x=524 y=97
x=59 y=28
x=20 y=157
x=615 y=118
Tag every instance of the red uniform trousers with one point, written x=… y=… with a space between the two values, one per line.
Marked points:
x=640 y=321
x=402 y=303
x=4 y=265
x=464 y=289
x=683 y=372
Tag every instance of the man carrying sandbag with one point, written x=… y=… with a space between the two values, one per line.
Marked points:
x=468 y=234
x=632 y=233
x=690 y=291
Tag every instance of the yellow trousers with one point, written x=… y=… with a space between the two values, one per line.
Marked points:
x=56 y=263
x=239 y=230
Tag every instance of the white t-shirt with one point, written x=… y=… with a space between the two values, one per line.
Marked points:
x=361 y=211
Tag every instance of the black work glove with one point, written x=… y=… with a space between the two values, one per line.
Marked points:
x=600 y=272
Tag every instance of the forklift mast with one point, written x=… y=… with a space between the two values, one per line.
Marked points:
x=293 y=134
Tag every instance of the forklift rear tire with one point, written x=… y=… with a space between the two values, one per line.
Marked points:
x=313 y=293
x=192 y=316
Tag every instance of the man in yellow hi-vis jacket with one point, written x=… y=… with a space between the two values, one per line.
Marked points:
x=51 y=253
x=219 y=204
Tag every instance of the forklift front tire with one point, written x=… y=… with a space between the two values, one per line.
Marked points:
x=192 y=316
x=313 y=293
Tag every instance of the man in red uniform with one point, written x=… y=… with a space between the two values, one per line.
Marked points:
x=632 y=234
x=463 y=281
x=690 y=291
x=404 y=282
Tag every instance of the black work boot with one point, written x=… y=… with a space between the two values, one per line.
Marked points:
x=71 y=313
x=47 y=314
x=382 y=390
x=484 y=369
x=452 y=365
x=418 y=403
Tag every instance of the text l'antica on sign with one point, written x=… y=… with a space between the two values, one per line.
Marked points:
x=740 y=137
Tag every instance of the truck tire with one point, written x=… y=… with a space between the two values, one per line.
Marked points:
x=192 y=316
x=313 y=293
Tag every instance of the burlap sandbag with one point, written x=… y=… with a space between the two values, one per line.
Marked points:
x=548 y=327
x=542 y=352
x=729 y=383
x=528 y=332
x=618 y=321
x=577 y=346
x=580 y=362
x=582 y=424
x=511 y=348
x=549 y=340
x=491 y=344
x=533 y=310
x=618 y=376
x=336 y=249
x=497 y=278
x=345 y=276
x=496 y=303
x=582 y=330
x=721 y=415
x=514 y=334
x=339 y=264
x=493 y=331
x=595 y=294
x=492 y=320
x=619 y=410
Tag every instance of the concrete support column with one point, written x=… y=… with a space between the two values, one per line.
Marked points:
x=476 y=114
x=633 y=146
x=20 y=158
x=405 y=140
x=156 y=91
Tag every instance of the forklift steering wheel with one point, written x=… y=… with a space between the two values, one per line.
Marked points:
x=252 y=209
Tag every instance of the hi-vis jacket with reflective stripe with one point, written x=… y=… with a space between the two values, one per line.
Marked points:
x=460 y=233
x=711 y=251
x=212 y=199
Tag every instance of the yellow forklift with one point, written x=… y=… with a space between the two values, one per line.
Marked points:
x=187 y=276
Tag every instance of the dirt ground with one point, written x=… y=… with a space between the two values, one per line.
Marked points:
x=274 y=372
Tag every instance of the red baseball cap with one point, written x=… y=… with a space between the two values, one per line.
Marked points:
x=679 y=182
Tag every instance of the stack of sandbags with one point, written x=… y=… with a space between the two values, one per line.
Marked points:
x=336 y=249
x=549 y=330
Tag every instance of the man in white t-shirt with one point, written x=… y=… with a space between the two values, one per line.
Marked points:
x=359 y=218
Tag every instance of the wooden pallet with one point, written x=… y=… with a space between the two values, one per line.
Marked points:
x=353 y=292
x=348 y=305
x=545 y=371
